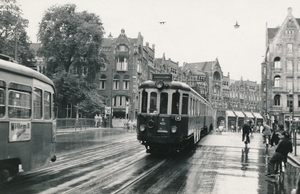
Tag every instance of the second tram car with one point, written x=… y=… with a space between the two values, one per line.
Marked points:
x=171 y=115
x=27 y=119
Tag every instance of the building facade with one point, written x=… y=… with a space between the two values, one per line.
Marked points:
x=130 y=63
x=281 y=71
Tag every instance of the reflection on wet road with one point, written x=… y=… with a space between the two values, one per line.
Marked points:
x=112 y=161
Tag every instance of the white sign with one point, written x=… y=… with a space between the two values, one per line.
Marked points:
x=19 y=131
x=108 y=110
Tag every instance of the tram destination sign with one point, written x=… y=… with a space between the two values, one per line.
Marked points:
x=162 y=77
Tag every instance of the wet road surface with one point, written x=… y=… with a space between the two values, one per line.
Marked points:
x=112 y=161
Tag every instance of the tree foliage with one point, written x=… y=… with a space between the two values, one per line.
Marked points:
x=71 y=39
x=71 y=44
x=13 y=37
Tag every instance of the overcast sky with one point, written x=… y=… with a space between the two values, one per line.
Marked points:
x=194 y=30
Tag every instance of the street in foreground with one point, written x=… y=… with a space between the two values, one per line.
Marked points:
x=112 y=161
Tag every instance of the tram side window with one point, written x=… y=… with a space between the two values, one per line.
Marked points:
x=2 y=103
x=37 y=104
x=47 y=105
x=19 y=104
x=153 y=102
x=144 y=101
x=175 y=103
x=163 y=103
x=185 y=103
x=54 y=106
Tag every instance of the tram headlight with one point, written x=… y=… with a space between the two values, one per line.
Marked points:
x=174 y=129
x=159 y=84
x=142 y=127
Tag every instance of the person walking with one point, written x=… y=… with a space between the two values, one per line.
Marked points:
x=96 y=119
x=266 y=132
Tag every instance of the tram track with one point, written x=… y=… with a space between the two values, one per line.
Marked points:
x=76 y=167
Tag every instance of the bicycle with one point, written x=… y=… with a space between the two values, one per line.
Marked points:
x=279 y=175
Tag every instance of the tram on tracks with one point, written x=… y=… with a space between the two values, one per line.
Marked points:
x=27 y=119
x=171 y=115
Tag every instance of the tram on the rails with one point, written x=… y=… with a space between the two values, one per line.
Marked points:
x=171 y=115
x=27 y=119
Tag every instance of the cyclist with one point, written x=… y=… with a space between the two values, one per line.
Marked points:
x=246 y=131
x=266 y=132
x=284 y=147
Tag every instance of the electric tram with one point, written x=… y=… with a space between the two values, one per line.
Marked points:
x=171 y=115
x=27 y=119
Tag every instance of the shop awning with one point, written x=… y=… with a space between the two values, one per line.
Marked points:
x=239 y=114
x=249 y=115
x=230 y=113
x=257 y=115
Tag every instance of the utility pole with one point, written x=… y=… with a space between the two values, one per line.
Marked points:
x=293 y=123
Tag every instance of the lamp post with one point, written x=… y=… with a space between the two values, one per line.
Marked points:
x=293 y=125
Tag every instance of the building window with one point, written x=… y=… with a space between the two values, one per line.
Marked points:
x=116 y=82
x=122 y=64
x=277 y=81
x=289 y=65
x=289 y=47
x=277 y=100
x=289 y=84
x=69 y=110
x=126 y=82
x=298 y=82
x=277 y=63
x=102 y=82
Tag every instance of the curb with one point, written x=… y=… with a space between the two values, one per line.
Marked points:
x=294 y=160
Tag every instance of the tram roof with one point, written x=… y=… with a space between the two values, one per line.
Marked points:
x=172 y=85
x=22 y=70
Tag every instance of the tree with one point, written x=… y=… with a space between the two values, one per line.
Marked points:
x=71 y=44
x=14 y=41
x=71 y=40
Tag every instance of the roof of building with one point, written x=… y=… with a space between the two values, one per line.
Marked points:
x=272 y=32
x=202 y=66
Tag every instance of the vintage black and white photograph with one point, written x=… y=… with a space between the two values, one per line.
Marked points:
x=149 y=97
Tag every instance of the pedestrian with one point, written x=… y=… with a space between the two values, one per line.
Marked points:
x=232 y=128
x=96 y=119
x=275 y=135
x=100 y=121
x=266 y=132
x=261 y=128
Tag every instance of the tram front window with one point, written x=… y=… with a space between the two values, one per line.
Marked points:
x=175 y=103
x=153 y=102
x=144 y=101
x=163 y=103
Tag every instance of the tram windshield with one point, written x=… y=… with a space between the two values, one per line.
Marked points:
x=164 y=100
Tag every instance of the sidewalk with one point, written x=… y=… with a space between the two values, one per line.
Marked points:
x=292 y=156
